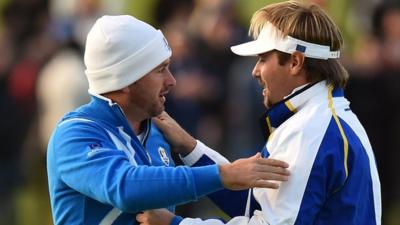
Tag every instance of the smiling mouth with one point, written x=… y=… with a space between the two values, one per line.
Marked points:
x=264 y=87
x=162 y=96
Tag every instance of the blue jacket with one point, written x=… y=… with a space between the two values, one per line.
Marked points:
x=334 y=179
x=99 y=172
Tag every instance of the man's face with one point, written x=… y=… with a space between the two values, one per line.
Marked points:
x=147 y=95
x=273 y=77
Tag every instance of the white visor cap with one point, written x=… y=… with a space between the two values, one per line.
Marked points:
x=271 y=38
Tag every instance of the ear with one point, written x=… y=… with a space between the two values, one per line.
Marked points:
x=297 y=62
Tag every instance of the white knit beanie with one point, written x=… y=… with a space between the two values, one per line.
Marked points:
x=120 y=50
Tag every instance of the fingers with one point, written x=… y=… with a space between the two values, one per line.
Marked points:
x=256 y=156
x=140 y=217
x=163 y=121
x=272 y=166
x=159 y=123
x=277 y=172
x=273 y=162
x=163 y=116
x=266 y=184
x=272 y=176
x=253 y=172
x=273 y=169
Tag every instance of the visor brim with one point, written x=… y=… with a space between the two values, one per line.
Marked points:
x=251 y=48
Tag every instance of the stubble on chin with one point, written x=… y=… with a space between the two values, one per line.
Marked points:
x=157 y=110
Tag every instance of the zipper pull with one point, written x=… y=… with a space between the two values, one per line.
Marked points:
x=148 y=156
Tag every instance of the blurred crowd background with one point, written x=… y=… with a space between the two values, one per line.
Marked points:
x=216 y=100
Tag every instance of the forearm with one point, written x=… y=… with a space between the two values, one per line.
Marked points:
x=143 y=187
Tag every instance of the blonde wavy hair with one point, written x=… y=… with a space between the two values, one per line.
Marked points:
x=310 y=23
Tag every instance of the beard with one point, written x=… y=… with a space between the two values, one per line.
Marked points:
x=155 y=109
x=143 y=107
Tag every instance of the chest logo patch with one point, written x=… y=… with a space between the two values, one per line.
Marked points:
x=163 y=155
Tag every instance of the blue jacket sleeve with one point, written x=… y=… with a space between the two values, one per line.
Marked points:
x=88 y=162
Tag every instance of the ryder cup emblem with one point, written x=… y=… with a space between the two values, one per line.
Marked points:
x=163 y=155
x=166 y=45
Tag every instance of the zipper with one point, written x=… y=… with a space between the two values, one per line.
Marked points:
x=144 y=140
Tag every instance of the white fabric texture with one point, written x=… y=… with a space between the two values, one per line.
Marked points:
x=120 y=50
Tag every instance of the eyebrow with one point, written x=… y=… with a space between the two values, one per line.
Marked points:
x=163 y=64
x=265 y=54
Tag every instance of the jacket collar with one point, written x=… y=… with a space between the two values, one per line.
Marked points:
x=111 y=113
x=283 y=110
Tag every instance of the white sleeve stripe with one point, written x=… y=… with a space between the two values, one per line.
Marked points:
x=200 y=150
x=74 y=119
x=111 y=216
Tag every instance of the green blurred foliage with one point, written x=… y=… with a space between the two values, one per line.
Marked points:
x=339 y=10
x=143 y=10
x=2 y=4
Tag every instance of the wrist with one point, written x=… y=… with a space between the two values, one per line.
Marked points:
x=187 y=147
x=224 y=174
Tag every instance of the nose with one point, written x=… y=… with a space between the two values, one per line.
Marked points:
x=256 y=72
x=170 y=80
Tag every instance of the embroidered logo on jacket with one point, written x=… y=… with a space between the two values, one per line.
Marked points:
x=163 y=155
x=95 y=148
x=95 y=145
x=166 y=45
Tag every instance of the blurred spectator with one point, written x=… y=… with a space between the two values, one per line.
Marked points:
x=9 y=134
x=213 y=28
x=386 y=27
x=71 y=20
x=173 y=11
x=30 y=40
x=25 y=46
x=61 y=87
x=374 y=91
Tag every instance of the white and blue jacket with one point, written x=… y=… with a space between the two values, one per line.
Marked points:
x=100 y=173
x=333 y=178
